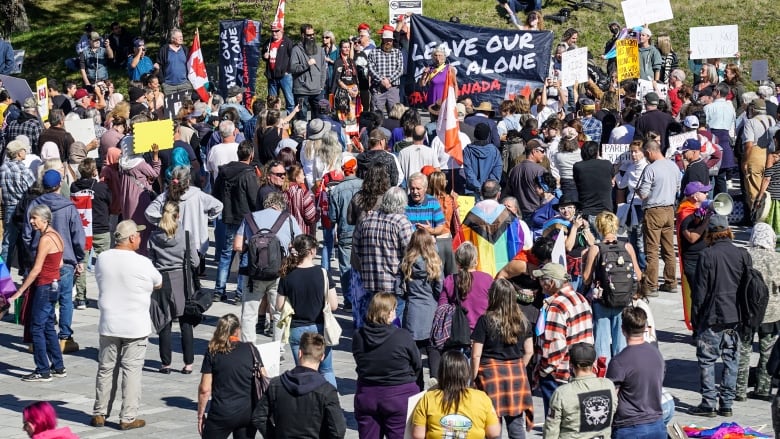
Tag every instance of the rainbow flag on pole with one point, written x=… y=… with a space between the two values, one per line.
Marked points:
x=7 y=286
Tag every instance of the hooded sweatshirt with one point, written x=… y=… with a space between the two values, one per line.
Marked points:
x=308 y=79
x=236 y=187
x=65 y=220
x=196 y=208
x=60 y=433
x=300 y=404
x=100 y=202
x=481 y=163
x=385 y=355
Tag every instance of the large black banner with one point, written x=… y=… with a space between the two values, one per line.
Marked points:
x=231 y=57
x=251 y=49
x=492 y=64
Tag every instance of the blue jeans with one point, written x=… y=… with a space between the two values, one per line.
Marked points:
x=66 y=301
x=327 y=247
x=343 y=253
x=652 y=430
x=710 y=345
x=223 y=237
x=399 y=310
x=10 y=234
x=326 y=366
x=285 y=83
x=45 y=344
x=637 y=239
x=608 y=335
x=547 y=386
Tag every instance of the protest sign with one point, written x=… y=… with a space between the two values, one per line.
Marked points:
x=644 y=87
x=173 y=103
x=231 y=56
x=82 y=130
x=399 y=8
x=642 y=12
x=574 y=66
x=465 y=203
x=714 y=41
x=269 y=355
x=759 y=70
x=676 y=142
x=148 y=133
x=410 y=406
x=251 y=49
x=42 y=91
x=627 y=59
x=486 y=59
x=18 y=88
x=614 y=152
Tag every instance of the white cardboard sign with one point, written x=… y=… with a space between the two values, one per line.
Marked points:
x=714 y=41
x=641 y=12
x=411 y=405
x=614 y=152
x=269 y=355
x=574 y=67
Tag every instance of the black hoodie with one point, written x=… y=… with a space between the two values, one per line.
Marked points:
x=236 y=187
x=300 y=404
x=100 y=203
x=385 y=355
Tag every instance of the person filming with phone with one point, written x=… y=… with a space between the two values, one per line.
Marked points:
x=138 y=64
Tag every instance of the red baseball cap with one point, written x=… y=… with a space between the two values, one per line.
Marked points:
x=363 y=26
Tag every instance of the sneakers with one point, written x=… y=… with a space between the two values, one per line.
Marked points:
x=36 y=377
x=59 y=373
x=668 y=288
x=707 y=412
x=68 y=345
x=725 y=412
x=651 y=293
x=98 y=421
x=81 y=304
x=217 y=297
x=761 y=396
x=137 y=423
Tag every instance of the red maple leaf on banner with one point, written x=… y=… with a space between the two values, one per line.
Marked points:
x=84 y=220
x=250 y=32
x=199 y=67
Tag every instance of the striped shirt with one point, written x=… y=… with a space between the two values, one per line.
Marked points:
x=427 y=212
x=569 y=320
x=378 y=245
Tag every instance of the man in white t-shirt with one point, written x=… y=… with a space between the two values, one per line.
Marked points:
x=125 y=282
x=225 y=152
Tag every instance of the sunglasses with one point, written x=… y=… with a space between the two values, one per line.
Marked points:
x=279 y=174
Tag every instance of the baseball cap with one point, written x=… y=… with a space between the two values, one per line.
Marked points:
x=582 y=354
x=29 y=103
x=427 y=170
x=551 y=271
x=387 y=35
x=718 y=223
x=235 y=90
x=652 y=98
x=126 y=229
x=587 y=103
x=646 y=31
x=349 y=165
x=386 y=28
x=759 y=104
x=691 y=145
x=138 y=42
x=691 y=122
x=80 y=93
x=363 y=26
x=51 y=179
x=94 y=36
x=696 y=186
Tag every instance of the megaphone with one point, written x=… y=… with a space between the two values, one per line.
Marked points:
x=722 y=204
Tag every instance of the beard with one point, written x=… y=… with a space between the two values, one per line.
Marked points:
x=310 y=46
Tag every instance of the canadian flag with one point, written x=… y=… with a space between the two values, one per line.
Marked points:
x=196 y=69
x=279 y=18
x=447 y=127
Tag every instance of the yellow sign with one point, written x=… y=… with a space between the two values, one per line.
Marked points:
x=627 y=59
x=465 y=203
x=42 y=94
x=159 y=132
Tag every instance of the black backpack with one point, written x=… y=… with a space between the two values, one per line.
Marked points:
x=266 y=253
x=460 y=332
x=752 y=299
x=614 y=271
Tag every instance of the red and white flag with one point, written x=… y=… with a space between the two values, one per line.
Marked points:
x=196 y=69
x=448 y=127
x=278 y=22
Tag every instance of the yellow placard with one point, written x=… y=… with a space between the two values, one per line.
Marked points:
x=145 y=134
x=465 y=203
x=42 y=92
x=627 y=59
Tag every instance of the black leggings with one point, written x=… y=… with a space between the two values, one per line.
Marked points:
x=186 y=343
x=434 y=358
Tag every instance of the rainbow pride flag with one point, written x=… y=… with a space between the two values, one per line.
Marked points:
x=497 y=234
x=7 y=286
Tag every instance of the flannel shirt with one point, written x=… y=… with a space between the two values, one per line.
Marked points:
x=569 y=320
x=15 y=179
x=592 y=128
x=428 y=212
x=29 y=127
x=388 y=65
x=378 y=245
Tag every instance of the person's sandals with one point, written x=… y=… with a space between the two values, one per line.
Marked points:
x=187 y=369
x=165 y=369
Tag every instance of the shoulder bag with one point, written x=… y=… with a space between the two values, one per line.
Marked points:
x=331 y=326
x=261 y=381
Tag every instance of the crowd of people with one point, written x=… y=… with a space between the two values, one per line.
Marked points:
x=542 y=285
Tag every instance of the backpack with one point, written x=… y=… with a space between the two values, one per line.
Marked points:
x=752 y=299
x=266 y=253
x=322 y=196
x=83 y=202
x=450 y=327
x=614 y=272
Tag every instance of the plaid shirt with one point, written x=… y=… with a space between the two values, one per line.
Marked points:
x=15 y=179
x=29 y=127
x=388 y=65
x=592 y=128
x=378 y=245
x=568 y=320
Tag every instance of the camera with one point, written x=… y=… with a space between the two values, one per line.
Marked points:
x=562 y=17
x=353 y=39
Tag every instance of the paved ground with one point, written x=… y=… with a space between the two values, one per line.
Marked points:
x=169 y=401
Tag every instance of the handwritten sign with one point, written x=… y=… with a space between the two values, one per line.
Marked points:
x=615 y=152
x=676 y=142
x=148 y=133
x=465 y=203
x=574 y=66
x=714 y=41
x=627 y=59
x=399 y=8
x=641 y=12
x=42 y=92
x=644 y=87
x=759 y=70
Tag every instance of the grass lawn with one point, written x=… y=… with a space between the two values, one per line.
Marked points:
x=57 y=24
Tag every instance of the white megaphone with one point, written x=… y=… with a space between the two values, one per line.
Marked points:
x=722 y=204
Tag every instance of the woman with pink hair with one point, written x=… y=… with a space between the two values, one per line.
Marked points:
x=40 y=422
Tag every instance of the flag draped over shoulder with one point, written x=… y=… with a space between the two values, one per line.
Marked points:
x=447 y=126
x=196 y=69
x=497 y=235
